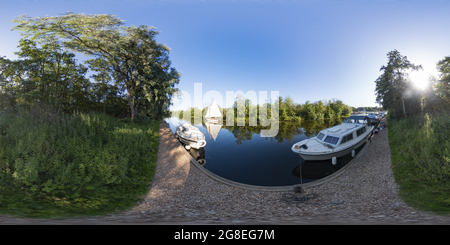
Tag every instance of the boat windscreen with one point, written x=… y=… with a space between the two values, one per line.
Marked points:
x=320 y=136
x=355 y=119
x=331 y=139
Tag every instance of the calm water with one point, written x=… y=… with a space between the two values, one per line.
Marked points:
x=239 y=154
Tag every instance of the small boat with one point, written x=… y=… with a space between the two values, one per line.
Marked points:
x=336 y=141
x=213 y=112
x=190 y=136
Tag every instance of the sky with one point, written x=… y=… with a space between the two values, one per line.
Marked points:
x=308 y=50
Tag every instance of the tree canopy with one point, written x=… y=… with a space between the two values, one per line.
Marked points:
x=393 y=89
x=130 y=55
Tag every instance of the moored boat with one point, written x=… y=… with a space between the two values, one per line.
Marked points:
x=374 y=118
x=190 y=136
x=336 y=141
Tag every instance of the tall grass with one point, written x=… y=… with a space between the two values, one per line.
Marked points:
x=69 y=165
x=420 y=153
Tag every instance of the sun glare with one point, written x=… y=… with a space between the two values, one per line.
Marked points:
x=420 y=78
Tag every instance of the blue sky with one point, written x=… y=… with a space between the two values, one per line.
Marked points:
x=309 y=50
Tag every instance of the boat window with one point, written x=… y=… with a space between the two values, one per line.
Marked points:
x=347 y=138
x=331 y=139
x=360 y=131
x=349 y=120
x=320 y=136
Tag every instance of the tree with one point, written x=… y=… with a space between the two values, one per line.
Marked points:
x=443 y=84
x=320 y=110
x=132 y=53
x=45 y=74
x=392 y=86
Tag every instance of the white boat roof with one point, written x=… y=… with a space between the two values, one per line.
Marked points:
x=350 y=124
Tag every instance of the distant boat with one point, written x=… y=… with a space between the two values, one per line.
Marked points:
x=336 y=141
x=213 y=129
x=374 y=118
x=213 y=112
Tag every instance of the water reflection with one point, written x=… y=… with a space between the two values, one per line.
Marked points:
x=287 y=130
x=198 y=155
x=213 y=129
x=240 y=154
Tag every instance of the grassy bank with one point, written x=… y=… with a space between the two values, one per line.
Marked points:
x=71 y=165
x=420 y=152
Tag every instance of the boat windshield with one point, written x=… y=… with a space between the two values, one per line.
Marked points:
x=320 y=136
x=355 y=119
x=331 y=139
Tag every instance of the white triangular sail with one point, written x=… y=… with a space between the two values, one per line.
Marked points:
x=213 y=110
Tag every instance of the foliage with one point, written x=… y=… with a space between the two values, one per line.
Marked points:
x=77 y=163
x=441 y=86
x=420 y=153
x=131 y=55
x=245 y=112
x=394 y=91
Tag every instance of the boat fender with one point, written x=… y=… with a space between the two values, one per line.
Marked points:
x=187 y=147
x=304 y=146
x=334 y=160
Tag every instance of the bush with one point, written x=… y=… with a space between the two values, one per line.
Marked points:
x=81 y=161
x=141 y=118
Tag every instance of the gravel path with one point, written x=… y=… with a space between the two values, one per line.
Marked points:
x=182 y=194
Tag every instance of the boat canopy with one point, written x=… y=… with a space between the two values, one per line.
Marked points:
x=356 y=119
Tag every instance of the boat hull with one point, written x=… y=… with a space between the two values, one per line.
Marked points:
x=320 y=157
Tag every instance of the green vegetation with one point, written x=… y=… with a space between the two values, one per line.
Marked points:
x=288 y=110
x=420 y=153
x=132 y=72
x=55 y=166
x=76 y=145
x=419 y=132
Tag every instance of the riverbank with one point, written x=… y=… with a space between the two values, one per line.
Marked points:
x=182 y=194
x=421 y=151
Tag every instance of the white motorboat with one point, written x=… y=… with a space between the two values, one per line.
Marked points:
x=190 y=136
x=336 y=141
x=213 y=112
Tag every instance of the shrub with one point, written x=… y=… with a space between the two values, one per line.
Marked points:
x=421 y=160
x=86 y=161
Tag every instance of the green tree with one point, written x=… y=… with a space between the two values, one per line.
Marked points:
x=46 y=74
x=443 y=84
x=393 y=86
x=290 y=106
x=131 y=53
x=319 y=108
x=337 y=107
x=308 y=111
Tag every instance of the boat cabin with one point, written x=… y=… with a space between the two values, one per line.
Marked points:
x=351 y=128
